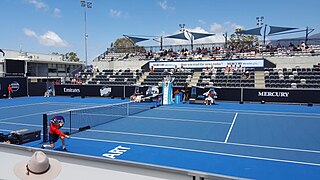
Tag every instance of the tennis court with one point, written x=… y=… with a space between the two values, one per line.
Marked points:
x=255 y=141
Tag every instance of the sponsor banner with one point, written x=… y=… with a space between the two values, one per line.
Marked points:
x=225 y=94
x=74 y=90
x=252 y=63
x=273 y=94
x=282 y=95
x=18 y=84
x=105 y=91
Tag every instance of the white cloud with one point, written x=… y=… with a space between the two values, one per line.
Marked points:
x=37 y=4
x=215 y=27
x=115 y=13
x=164 y=5
x=225 y=27
x=201 y=22
x=57 y=12
x=29 y=33
x=49 y=38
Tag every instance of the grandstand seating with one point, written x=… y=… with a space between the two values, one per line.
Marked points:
x=109 y=56
x=116 y=77
x=292 y=77
x=223 y=78
x=210 y=51
x=111 y=77
x=156 y=77
x=306 y=78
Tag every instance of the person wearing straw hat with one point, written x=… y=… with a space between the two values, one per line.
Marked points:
x=56 y=123
x=38 y=167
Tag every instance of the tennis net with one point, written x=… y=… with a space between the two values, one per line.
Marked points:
x=81 y=119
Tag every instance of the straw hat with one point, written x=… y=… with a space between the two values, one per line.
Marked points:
x=38 y=167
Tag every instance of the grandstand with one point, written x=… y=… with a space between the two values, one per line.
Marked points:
x=281 y=56
x=251 y=76
x=283 y=67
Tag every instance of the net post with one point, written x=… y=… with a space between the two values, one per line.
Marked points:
x=45 y=127
x=241 y=95
x=124 y=92
x=70 y=122
x=128 y=113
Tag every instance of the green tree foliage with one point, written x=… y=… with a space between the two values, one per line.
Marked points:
x=72 y=56
x=125 y=45
x=241 y=41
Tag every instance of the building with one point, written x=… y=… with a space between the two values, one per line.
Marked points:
x=36 y=66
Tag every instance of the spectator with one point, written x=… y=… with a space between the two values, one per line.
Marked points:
x=49 y=92
x=136 y=97
x=185 y=92
x=10 y=91
x=38 y=167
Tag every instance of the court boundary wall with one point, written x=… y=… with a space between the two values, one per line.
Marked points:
x=76 y=166
x=224 y=94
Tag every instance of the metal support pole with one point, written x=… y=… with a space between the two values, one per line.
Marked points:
x=307 y=34
x=264 y=35
x=85 y=35
x=241 y=95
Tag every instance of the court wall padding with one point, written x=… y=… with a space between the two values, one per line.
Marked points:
x=225 y=94
x=19 y=86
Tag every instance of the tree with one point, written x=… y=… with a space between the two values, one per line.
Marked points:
x=241 y=41
x=125 y=45
x=72 y=56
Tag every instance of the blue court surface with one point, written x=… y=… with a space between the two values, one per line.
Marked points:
x=255 y=141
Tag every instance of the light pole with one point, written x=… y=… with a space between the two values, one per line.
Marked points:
x=182 y=29
x=85 y=5
x=260 y=23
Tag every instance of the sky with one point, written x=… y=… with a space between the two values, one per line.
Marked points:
x=47 y=26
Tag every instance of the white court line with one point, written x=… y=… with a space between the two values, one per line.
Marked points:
x=289 y=114
x=22 y=105
x=22 y=116
x=184 y=120
x=6 y=130
x=21 y=124
x=27 y=115
x=234 y=119
x=80 y=104
x=181 y=138
x=155 y=136
x=202 y=151
x=206 y=141
x=159 y=118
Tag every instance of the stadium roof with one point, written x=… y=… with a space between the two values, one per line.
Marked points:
x=200 y=35
x=178 y=36
x=136 y=39
x=273 y=30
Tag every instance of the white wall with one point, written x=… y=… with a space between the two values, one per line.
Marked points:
x=119 y=64
x=86 y=167
x=11 y=54
x=290 y=62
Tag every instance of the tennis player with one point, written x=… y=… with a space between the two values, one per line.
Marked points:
x=210 y=95
x=56 y=123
